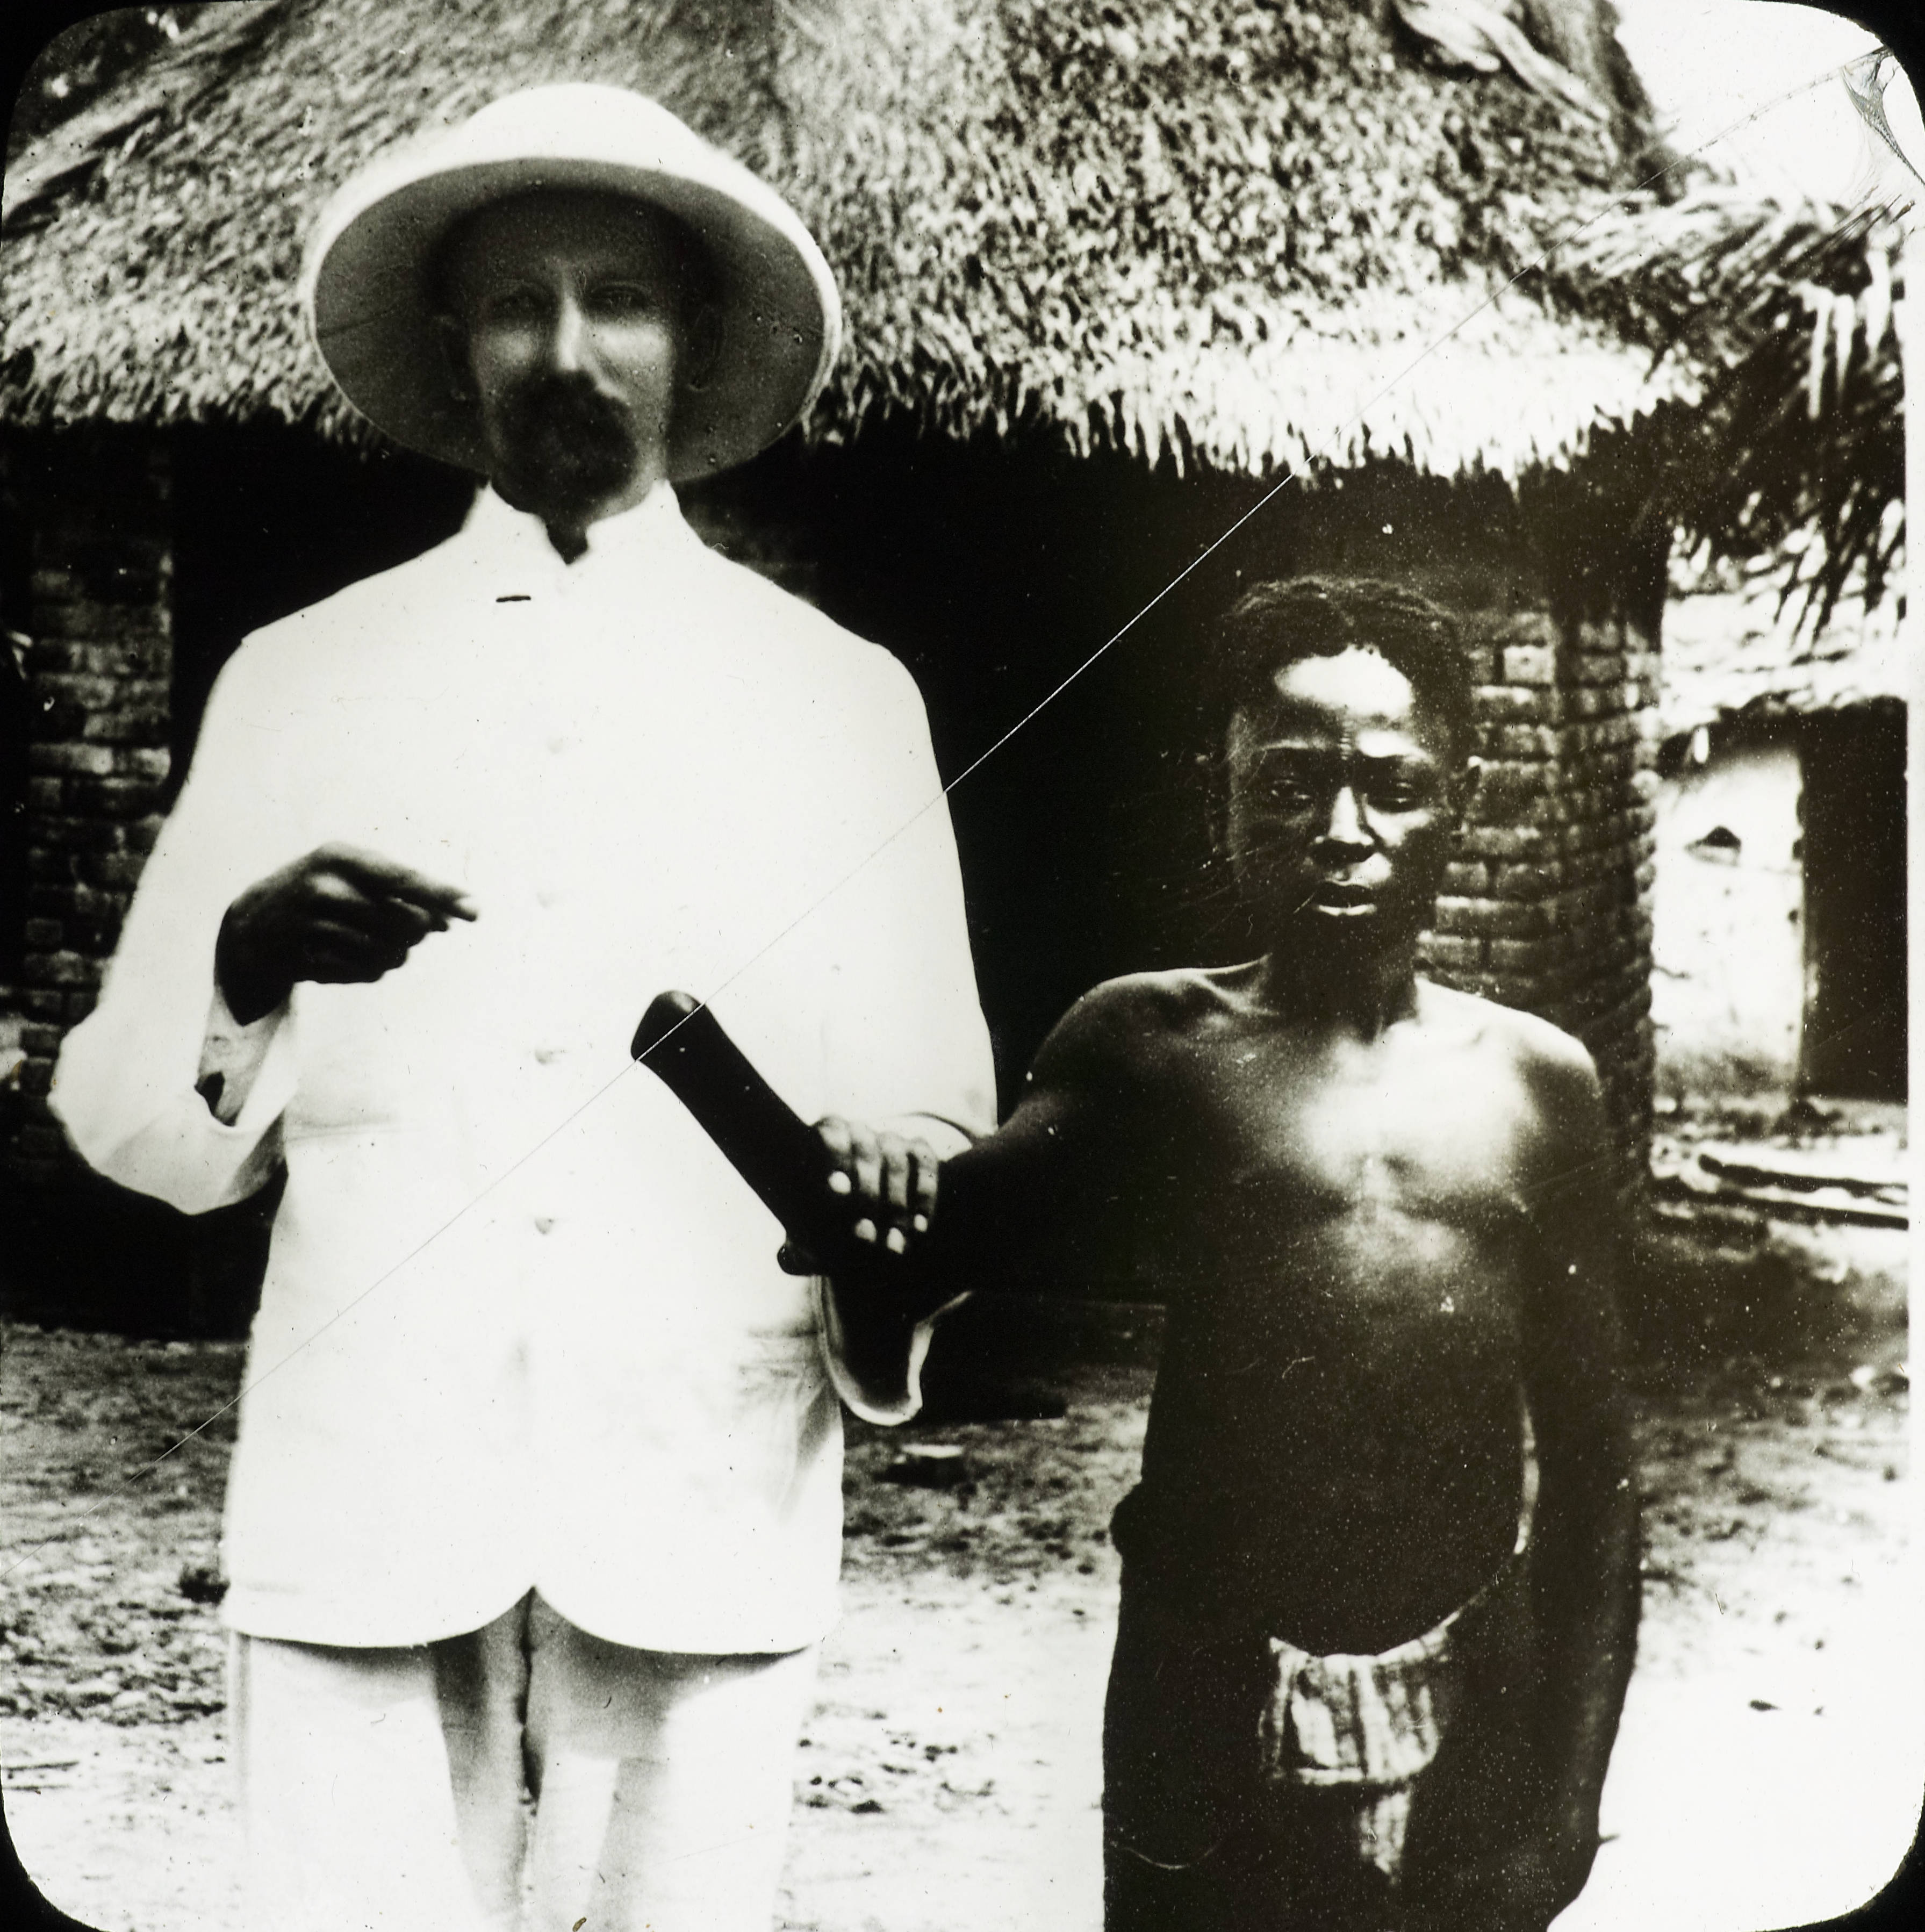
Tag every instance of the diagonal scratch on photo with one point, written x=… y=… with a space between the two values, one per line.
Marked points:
x=954 y=966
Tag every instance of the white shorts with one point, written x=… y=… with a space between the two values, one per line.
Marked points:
x=525 y=1776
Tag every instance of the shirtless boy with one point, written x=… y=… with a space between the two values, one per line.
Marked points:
x=1363 y=1678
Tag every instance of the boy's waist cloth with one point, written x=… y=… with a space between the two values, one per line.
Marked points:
x=1367 y=1720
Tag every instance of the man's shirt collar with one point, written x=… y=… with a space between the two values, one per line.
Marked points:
x=512 y=544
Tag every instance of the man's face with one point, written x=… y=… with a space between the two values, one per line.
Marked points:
x=1343 y=794
x=567 y=314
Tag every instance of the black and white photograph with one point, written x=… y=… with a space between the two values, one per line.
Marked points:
x=955 y=966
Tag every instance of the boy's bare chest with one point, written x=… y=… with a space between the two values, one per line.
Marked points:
x=1417 y=1130
x=1365 y=1186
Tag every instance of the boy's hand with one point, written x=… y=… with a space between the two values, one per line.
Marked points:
x=1522 y=1891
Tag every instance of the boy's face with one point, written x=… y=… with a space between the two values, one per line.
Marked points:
x=1343 y=792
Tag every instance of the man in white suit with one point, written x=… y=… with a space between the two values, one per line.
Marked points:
x=537 y=1494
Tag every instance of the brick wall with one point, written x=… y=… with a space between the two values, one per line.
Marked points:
x=93 y=510
x=1076 y=840
x=1548 y=906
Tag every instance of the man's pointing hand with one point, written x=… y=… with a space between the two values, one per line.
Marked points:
x=340 y=916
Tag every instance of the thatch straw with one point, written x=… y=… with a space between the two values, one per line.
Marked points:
x=1231 y=233
x=1796 y=455
x=1727 y=655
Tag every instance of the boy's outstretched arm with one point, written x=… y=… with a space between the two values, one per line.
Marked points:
x=1583 y=1556
x=1025 y=1205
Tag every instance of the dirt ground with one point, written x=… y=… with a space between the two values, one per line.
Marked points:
x=1768 y=1772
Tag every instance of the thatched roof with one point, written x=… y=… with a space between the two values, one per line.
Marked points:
x=1218 y=228
x=1729 y=655
x=1795 y=450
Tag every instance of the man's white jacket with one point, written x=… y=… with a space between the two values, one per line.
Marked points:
x=522 y=1326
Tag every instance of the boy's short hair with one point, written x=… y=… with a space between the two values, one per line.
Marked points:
x=1281 y=622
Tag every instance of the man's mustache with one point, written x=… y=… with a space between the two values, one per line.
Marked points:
x=569 y=413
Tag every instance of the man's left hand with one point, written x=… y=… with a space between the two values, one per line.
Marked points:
x=884 y=1183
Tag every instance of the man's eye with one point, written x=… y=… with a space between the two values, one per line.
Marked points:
x=623 y=300
x=522 y=304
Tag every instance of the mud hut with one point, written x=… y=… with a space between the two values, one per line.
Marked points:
x=1779 y=909
x=1780 y=892
x=1121 y=278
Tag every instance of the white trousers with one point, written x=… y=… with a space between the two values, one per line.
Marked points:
x=526 y=1778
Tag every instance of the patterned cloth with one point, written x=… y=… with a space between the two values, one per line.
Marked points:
x=1366 y=1724
x=1371 y=1725
x=1251 y=1785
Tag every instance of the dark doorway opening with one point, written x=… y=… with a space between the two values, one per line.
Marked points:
x=1854 y=831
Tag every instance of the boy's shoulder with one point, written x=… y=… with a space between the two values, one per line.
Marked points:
x=1124 y=1018
x=1554 y=1065
x=1174 y=999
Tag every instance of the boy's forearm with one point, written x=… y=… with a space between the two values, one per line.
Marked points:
x=1585 y=1567
x=988 y=1229
x=1034 y=1206
x=1005 y=1211
x=877 y=1305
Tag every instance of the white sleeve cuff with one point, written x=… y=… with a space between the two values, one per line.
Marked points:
x=237 y=1054
x=900 y=1398
x=255 y=1067
x=944 y=1135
